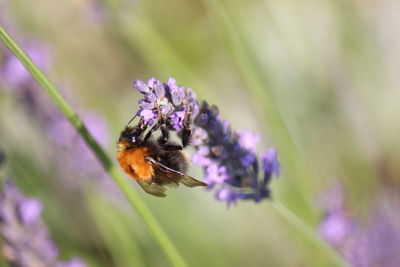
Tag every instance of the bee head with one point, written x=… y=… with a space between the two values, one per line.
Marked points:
x=131 y=135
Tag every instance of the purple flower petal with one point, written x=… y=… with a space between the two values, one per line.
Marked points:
x=177 y=92
x=166 y=108
x=177 y=119
x=151 y=98
x=141 y=86
x=177 y=95
x=226 y=126
x=204 y=150
x=201 y=157
x=148 y=116
x=200 y=160
x=150 y=82
x=192 y=97
x=146 y=105
x=248 y=140
x=226 y=194
x=159 y=89
x=270 y=162
x=171 y=82
x=202 y=119
x=215 y=174
x=195 y=109
x=199 y=137
x=247 y=160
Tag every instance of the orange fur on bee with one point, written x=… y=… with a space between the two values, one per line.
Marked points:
x=133 y=162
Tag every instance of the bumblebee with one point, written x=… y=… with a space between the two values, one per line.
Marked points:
x=155 y=164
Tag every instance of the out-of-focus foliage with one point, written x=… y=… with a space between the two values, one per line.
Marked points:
x=317 y=79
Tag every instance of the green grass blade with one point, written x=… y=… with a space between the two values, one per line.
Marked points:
x=136 y=202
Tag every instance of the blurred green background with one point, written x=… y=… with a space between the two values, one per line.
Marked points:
x=319 y=80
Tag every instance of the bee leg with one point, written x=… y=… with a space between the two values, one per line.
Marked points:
x=153 y=129
x=187 y=131
x=164 y=134
x=142 y=125
x=164 y=128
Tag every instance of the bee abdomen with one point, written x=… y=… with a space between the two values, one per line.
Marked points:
x=175 y=160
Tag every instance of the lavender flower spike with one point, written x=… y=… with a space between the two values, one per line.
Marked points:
x=26 y=238
x=228 y=158
x=230 y=162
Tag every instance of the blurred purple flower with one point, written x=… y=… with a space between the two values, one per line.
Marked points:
x=228 y=158
x=215 y=174
x=375 y=243
x=14 y=73
x=60 y=130
x=26 y=238
x=270 y=162
x=30 y=210
x=334 y=227
x=201 y=156
x=199 y=136
x=247 y=160
x=248 y=140
x=16 y=79
x=97 y=127
x=226 y=194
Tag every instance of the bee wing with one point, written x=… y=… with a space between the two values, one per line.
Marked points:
x=169 y=176
x=153 y=189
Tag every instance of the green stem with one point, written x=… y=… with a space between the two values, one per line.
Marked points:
x=137 y=203
x=308 y=233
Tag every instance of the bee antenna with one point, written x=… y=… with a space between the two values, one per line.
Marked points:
x=131 y=120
